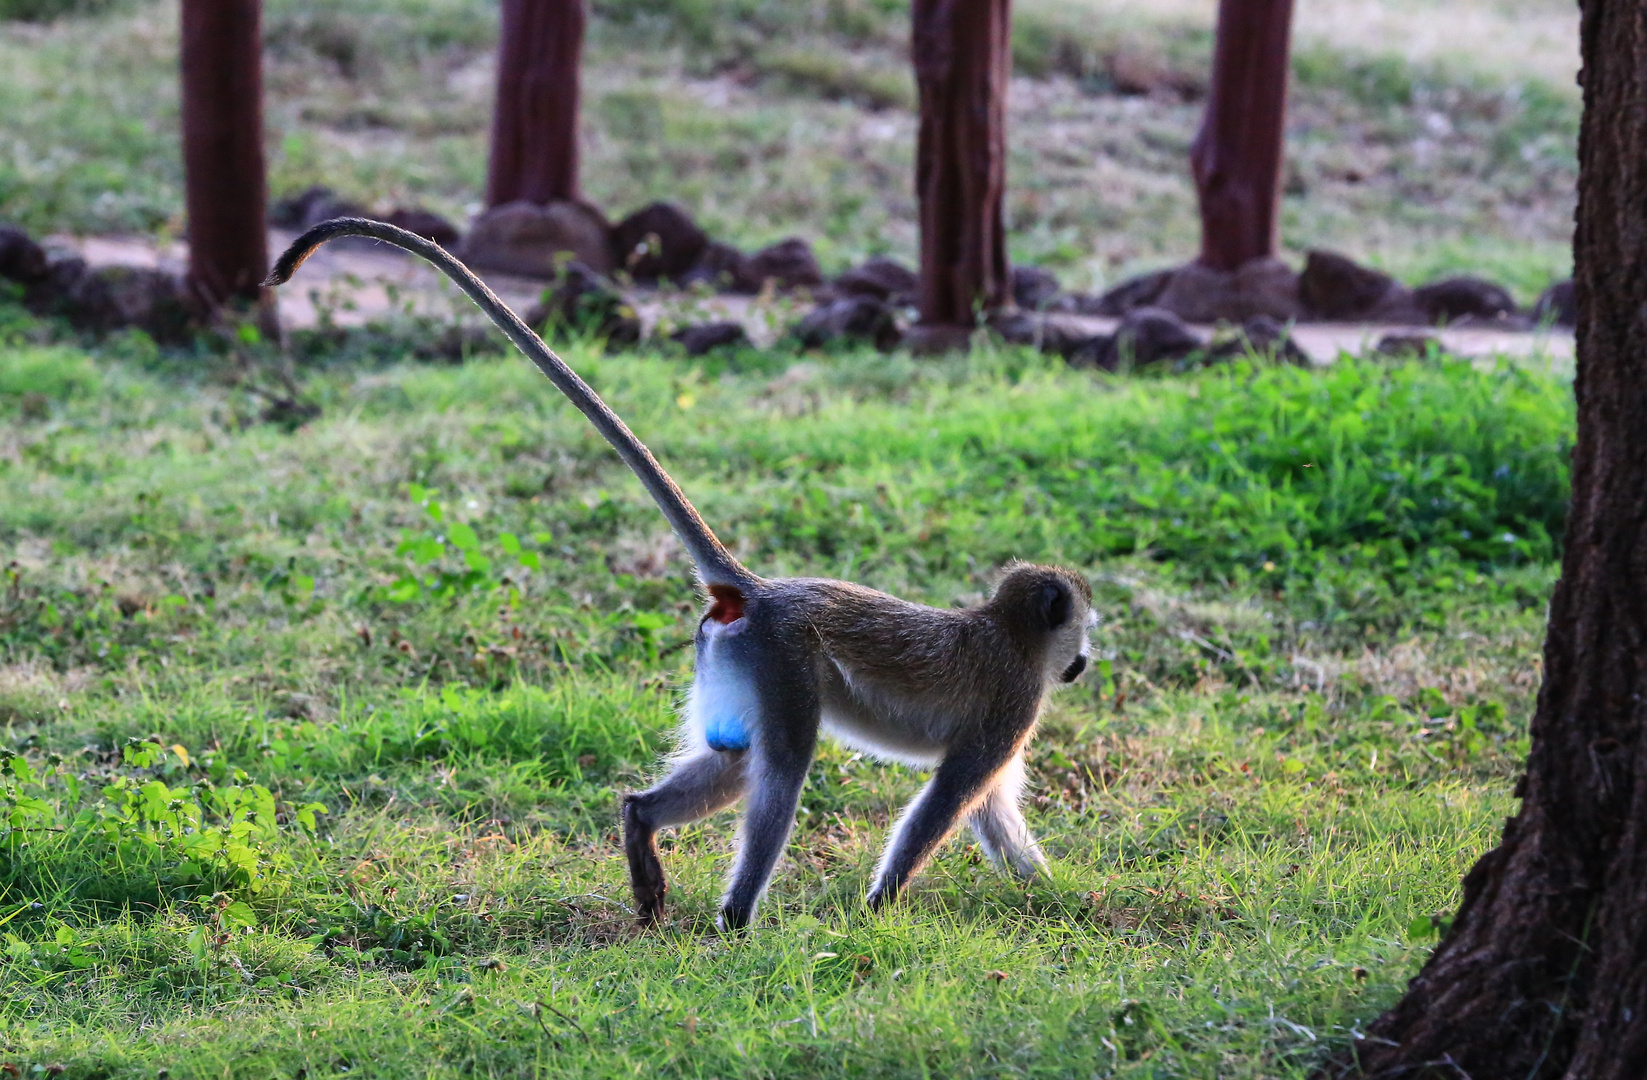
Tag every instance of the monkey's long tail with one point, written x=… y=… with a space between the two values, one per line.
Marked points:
x=714 y=562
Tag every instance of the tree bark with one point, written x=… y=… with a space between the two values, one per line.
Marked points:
x=227 y=191
x=1236 y=156
x=1542 y=974
x=963 y=61
x=535 y=119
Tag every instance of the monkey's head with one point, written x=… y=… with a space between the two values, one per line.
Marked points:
x=1051 y=609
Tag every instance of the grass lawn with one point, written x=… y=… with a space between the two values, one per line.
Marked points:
x=313 y=739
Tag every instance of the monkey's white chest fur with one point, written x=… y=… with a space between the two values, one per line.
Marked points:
x=722 y=706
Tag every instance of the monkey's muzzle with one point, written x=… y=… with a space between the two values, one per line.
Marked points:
x=1073 y=672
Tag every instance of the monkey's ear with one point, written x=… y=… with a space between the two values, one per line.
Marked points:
x=1055 y=604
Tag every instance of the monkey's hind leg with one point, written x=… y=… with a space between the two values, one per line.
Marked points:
x=998 y=823
x=697 y=787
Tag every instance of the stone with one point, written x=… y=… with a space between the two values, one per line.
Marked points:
x=21 y=259
x=707 y=337
x=425 y=223
x=720 y=266
x=113 y=298
x=788 y=264
x=1465 y=296
x=658 y=241
x=1264 y=336
x=310 y=207
x=536 y=241
x=1557 y=304
x=854 y=318
x=1198 y=293
x=1034 y=288
x=1051 y=333
x=1097 y=351
x=583 y=302
x=1141 y=291
x=151 y=300
x=1334 y=286
x=1406 y=346
x=1150 y=335
x=882 y=278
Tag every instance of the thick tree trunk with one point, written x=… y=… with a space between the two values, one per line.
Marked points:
x=535 y=119
x=1236 y=157
x=963 y=61
x=222 y=67
x=1544 y=973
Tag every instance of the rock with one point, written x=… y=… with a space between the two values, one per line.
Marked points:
x=707 y=337
x=788 y=264
x=720 y=266
x=1097 y=351
x=658 y=241
x=1264 y=336
x=1406 y=346
x=425 y=223
x=1034 y=288
x=21 y=259
x=1148 y=335
x=311 y=207
x=1557 y=304
x=1141 y=291
x=1198 y=293
x=1454 y=298
x=1059 y=334
x=151 y=300
x=882 y=278
x=857 y=318
x=1334 y=286
x=536 y=241
x=114 y=297
x=583 y=302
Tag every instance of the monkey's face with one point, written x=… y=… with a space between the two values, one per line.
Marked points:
x=1083 y=647
x=1052 y=609
x=1066 y=613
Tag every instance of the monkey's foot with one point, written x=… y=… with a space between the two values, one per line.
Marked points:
x=731 y=920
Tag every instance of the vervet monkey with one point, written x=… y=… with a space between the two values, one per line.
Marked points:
x=777 y=660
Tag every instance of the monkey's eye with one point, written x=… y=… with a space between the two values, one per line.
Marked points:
x=1055 y=605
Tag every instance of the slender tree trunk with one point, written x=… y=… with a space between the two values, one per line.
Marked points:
x=1236 y=157
x=535 y=119
x=1544 y=972
x=963 y=61
x=222 y=68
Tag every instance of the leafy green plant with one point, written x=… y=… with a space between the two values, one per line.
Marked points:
x=452 y=557
x=218 y=833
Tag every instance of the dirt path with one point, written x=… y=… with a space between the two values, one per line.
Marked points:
x=353 y=283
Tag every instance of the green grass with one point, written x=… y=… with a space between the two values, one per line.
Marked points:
x=445 y=614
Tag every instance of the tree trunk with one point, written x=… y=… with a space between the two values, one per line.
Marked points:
x=535 y=118
x=222 y=68
x=1236 y=157
x=1542 y=974
x=963 y=61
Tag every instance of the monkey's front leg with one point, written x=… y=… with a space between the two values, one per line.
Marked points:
x=695 y=788
x=953 y=790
